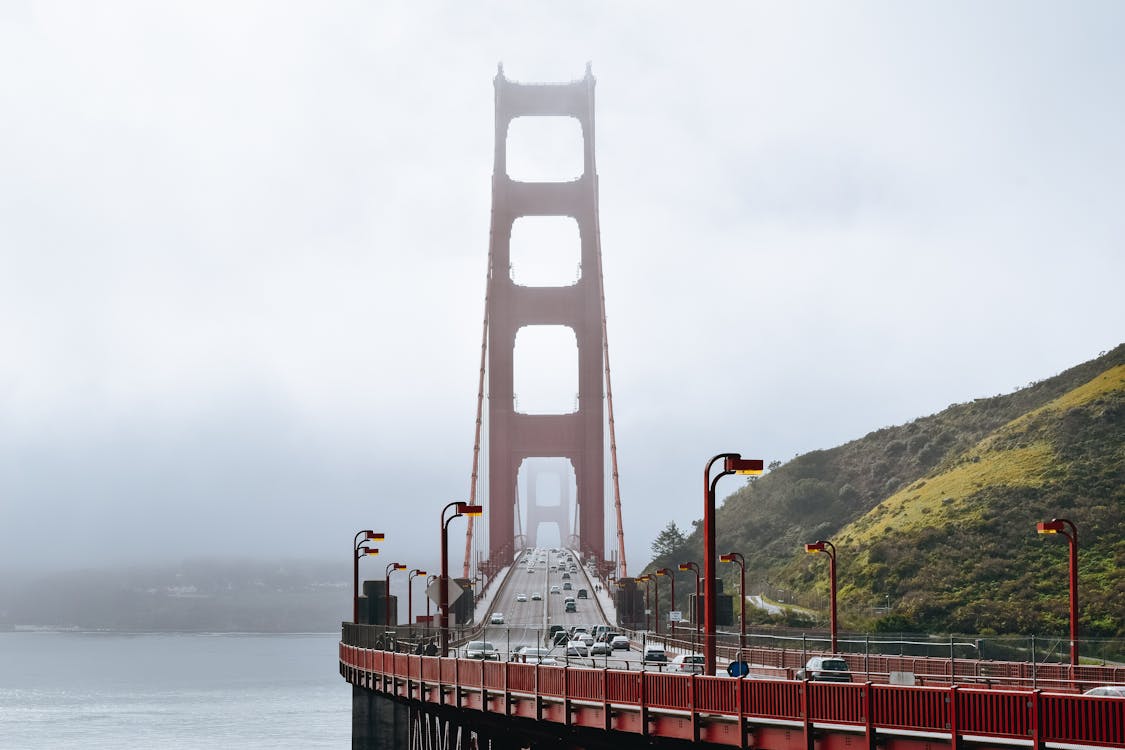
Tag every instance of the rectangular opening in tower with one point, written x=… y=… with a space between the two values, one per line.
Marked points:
x=545 y=370
x=545 y=149
x=547 y=492
x=545 y=251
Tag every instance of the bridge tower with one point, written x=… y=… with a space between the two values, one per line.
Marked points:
x=537 y=513
x=513 y=436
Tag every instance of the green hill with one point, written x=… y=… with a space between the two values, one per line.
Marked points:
x=937 y=517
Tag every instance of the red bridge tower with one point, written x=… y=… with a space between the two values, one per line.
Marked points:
x=578 y=436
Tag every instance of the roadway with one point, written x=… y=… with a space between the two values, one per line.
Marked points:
x=527 y=623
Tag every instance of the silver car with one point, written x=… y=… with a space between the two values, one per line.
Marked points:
x=577 y=648
x=481 y=650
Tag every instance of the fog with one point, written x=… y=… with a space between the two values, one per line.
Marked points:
x=243 y=248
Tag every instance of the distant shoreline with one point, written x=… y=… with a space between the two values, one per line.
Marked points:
x=137 y=631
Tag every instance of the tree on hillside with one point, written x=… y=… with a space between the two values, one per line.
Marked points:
x=669 y=542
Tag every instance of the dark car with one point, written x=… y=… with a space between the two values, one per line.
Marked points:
x=583 y=594
x=825 y=669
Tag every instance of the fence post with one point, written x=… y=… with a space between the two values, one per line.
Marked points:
x=741 y=686
x=1034 y=667
x=869 y=714
x=606 y=713
x=1037 y=742
x=691 y=707
x=806 y=722
x=643 y=703
x=566 y=695
x=954 y=742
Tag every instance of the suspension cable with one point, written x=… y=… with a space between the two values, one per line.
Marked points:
x=609 y=397
x=480 y=416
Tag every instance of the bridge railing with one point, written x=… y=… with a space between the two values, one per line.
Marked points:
x=927 y=670
x=1005 y=714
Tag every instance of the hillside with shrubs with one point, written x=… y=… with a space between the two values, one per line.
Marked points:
x=934 y=520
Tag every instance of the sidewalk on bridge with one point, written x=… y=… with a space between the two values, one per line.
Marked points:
x=484 y=603
x=604 y=598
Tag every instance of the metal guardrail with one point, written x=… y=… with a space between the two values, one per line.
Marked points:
x=588 y=695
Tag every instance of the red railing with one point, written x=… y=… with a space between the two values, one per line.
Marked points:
x=840 y=704
x=1003 y=714
x=994 y=713
x=1089 y=719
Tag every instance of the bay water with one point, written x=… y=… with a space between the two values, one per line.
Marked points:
x=98 y=691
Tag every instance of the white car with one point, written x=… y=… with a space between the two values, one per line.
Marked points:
x=690 y=663
x=577 y=648
x=481 y=650
x=521 y=597
x=1108 y=691
x=497 y=618
x=532 y=655
x=655 y=654
x=536 y=597
x=556 y=590
x=600 y=647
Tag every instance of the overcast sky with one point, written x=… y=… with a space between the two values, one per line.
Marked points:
x=243 y=246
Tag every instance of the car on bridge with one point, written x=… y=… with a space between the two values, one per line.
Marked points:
x=583 y=594
x=825 y=669
x=521 y=597
x=536 y=596
x=618 y=641
x=1107 y=691
x=600 y=648
x=556 y=590
x=570 y=606
x=655 y=654
x=481 y=650
x=577 y=648
x=532 y=655
x=689 y=663
x=497 y=618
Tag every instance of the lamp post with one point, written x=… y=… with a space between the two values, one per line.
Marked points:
x=645 y=579
x=1070 y=531
x=410 y=594
x=733 y=463
x=736 y=557
x=829 y=549
x=387 y=593
x=459 y=509
x=660 y=573
x=367 y=535
x=429 y=579
x=694 y=567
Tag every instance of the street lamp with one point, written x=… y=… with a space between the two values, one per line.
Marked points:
x=387 y=593
x=367 y=535
x=733 y=463
x=410 y=594
x=459 y=509
x=645 y=579
x=429 y=580
x=672 y=577
x=829 y=549
x=694 y=567
x=1070 y=531
x=736 y=557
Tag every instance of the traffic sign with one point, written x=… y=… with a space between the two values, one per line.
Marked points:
x=433 y=591
x=738 y=668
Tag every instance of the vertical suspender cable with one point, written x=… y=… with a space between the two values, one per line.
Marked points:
x=480 y=416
